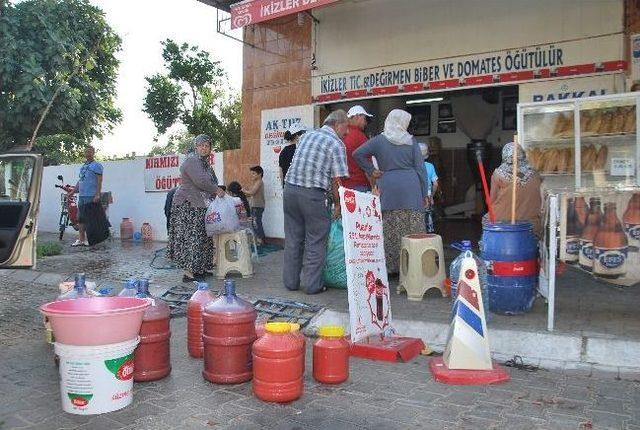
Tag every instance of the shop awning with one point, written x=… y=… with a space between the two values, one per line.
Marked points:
x=253 y=11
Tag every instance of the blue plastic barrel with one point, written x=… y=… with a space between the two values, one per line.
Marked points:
x=511 y=254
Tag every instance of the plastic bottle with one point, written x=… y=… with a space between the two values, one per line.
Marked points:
x=610 y=246
x=143 y=289
x=594 y=219
x=228 y=334
x=126 y=229
x=631 y=221
x=331 y=356
x=198 y=301
x=454 y=275
x=79 y=289
x=152 y=360
x=574 y=230
x=278 y=364
x=129 y=289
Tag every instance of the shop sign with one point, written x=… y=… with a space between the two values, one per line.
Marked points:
x=254 y=11
x=273 y=125
x=562 y=59
x=575 y=88
x=162 y=173
x=622 y=167
x=367 y=282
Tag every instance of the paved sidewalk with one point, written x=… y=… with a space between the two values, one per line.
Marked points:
x=377 y=395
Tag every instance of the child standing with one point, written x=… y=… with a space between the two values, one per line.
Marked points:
x=432 y=187
x=256 y=192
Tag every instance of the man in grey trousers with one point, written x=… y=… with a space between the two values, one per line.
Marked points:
x=320 y=160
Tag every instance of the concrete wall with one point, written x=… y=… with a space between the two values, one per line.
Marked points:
x=125 y=180
x=373 y=33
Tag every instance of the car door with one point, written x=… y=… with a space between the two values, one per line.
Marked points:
x=20 y=182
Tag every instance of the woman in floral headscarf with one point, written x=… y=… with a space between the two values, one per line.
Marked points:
x=528 y=182
x=401 y=179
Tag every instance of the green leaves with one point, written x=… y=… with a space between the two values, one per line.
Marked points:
x=43 y=43
x=192 y=92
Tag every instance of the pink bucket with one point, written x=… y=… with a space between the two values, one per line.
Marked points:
x=96 y=320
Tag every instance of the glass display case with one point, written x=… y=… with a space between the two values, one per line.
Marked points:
x=588 y=153
x=583 y=143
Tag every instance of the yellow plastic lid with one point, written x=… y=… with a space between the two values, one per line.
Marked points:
x=331 y=331
x=277 y=327
x=295 y=326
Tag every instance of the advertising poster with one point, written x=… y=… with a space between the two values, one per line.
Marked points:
x=162 y=173
x=367 y=282
x=600 y=234
x=274 y=123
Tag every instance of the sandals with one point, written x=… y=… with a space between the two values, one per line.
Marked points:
x=79 y=243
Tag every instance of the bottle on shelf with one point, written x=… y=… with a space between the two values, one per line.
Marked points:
x=574 y=229
x=594 y=219
x=631 y=221
x=610 y=246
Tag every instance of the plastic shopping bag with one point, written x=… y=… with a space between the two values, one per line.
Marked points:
x=221 y=216
x=334 y=273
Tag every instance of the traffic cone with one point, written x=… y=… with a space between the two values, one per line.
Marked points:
x=467 y=357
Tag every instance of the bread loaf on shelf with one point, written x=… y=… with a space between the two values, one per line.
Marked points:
x=617 y=122
x=601 y=159
x=607 y=122
x=630 y=121
x=595 y=123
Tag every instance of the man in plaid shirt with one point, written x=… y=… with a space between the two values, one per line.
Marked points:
x=319 y=162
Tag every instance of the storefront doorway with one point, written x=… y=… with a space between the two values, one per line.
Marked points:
x=445 y=122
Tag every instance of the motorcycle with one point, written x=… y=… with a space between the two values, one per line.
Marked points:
x=68 y=208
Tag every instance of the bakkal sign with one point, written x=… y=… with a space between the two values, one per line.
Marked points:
x=597 y=55
x=574 y=88
x=255 y=11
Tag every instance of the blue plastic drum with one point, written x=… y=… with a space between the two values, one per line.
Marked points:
x=511 y=254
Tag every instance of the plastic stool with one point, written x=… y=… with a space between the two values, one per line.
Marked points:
x=421 y=265
x=233 y=254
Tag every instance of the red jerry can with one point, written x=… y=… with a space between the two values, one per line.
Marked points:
x=229 y=332
x=152 y=358
x=278 y=364
x=195 y=308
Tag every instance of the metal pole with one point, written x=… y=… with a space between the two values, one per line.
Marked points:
x=553 y=246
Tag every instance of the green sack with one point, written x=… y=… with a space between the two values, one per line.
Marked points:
x=334 y=274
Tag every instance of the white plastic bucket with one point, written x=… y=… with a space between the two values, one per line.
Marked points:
x=96 y=379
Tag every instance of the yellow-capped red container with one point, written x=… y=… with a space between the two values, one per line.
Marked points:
x=331 y=356
x=278 y=364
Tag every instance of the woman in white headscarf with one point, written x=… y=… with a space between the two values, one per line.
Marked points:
x=528 y=182
x=401 y=179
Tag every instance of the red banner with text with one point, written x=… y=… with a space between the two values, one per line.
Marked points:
x=254 y=11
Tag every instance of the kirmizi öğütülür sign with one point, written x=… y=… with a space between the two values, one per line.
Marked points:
x=162 y=173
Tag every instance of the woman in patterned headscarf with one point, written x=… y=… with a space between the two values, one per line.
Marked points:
x=528 y=197
x=189 y=246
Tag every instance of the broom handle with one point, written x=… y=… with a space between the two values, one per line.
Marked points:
x=485 y=188
x=514 y=179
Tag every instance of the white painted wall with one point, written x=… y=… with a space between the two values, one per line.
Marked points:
x=125 y=180
x=363 y=34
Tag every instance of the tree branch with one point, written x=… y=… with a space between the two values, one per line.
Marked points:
x=57 y=92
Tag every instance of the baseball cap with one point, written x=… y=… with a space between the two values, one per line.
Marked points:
x=357 y=110
x=297 y=127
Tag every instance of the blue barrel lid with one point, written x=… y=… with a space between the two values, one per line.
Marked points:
x=202 y=285
x=508 y=227
x=228 y=302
